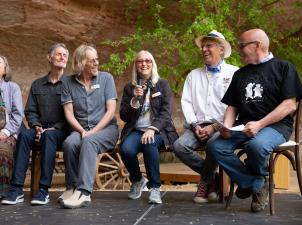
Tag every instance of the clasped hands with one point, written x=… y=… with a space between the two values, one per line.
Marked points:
x=204 y=133
x=40 y=131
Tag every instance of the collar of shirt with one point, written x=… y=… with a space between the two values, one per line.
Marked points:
x=215 y=69
x=94 y=79
x=47 y=79
x=267 y=58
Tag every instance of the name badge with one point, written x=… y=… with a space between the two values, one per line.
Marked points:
x=156 y=94
x=95 y=86
x=226 y=80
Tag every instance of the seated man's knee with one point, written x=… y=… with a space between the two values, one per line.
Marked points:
x=258 y=148
x=47 y=135
x=26 y=134
x=213 y=147
x=68 y=146
x=180 y=145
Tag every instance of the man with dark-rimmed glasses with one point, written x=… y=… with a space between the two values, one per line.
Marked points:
x=262 y=96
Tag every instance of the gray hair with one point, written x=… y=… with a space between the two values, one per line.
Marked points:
x=79 y=58
x=52 y=48
x=154 y=73
x=7 y=76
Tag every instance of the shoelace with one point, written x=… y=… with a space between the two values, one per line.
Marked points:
x=136 y=186
x=201 y=190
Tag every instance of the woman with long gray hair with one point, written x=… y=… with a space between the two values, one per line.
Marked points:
x=146 y=108
x=11 y=115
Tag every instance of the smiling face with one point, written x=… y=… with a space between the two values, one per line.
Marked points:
x=212 y=51
x=58 y=58
x=92 y=63
x=144 y=65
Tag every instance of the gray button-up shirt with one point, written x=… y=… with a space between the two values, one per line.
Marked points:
x=43 y=107
x=89 y=106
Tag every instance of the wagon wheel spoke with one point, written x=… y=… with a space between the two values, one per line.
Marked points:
x=108 y=166
x=117 y=183
x=112 y=159
x=107 y=173
x=109 y=181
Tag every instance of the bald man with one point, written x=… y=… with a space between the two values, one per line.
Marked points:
x=262 y=96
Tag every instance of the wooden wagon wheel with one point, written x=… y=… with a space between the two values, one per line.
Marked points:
x=111 y=172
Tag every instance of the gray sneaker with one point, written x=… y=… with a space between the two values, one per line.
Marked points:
x=137 y=188
x=260 y=199
x=154 y=196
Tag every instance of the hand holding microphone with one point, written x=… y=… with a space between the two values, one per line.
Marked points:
x=140 y=87
x=138 y=90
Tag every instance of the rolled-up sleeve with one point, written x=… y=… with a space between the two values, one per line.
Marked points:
x=110 y=90
x=66 y=94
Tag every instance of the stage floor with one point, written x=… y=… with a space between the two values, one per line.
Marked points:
x=109 y=207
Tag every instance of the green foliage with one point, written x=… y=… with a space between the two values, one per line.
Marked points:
x=168 y=28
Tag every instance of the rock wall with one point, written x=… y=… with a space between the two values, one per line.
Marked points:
x=29 y=27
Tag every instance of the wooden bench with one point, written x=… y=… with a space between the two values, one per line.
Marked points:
x=111 y=172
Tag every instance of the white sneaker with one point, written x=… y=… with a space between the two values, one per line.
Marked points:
x=65 y=195
x=154 y=196
x=77 y=200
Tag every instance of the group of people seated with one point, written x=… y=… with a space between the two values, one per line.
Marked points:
x=76 y=113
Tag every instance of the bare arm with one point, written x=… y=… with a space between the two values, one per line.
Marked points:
x=229 y=119
x=285 y=108
x=68 y=110
x=230 y=116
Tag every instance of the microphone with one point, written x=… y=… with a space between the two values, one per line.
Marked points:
x=140 y=82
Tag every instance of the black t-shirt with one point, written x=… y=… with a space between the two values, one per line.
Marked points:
x=256 y=90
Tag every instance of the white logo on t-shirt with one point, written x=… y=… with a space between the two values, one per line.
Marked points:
x=253 y=91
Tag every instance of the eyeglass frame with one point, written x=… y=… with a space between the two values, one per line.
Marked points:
x=93 y=61
x=142 y=61
x=242 y=45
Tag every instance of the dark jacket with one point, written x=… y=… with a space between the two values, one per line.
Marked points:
x=161 y=107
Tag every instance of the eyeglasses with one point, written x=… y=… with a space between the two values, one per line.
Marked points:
x=243 y=45
x=93 y=61
x=208 y=46
x=142 y=61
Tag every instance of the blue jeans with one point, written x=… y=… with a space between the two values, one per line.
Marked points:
x=185 y=149
x=129 y=150
x=50 y=141
x=250 y=173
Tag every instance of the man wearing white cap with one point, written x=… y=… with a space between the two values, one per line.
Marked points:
x=201 y=103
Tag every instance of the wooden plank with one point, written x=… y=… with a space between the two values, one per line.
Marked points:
x=281 y=175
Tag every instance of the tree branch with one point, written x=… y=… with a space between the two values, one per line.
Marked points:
x=269 y=4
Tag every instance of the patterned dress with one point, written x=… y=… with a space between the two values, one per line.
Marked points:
x=7 y=150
